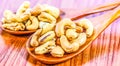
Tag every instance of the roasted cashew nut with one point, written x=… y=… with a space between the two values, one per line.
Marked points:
x=14 y=26
x=57 y=52
x=36 y=10
x=46 y=18
x=10 y=17
x=55 y=12
x=74 y=46
x=85 y=23
x=26 y=15
x=33 y=24
x=71 y=34
x=61 y=25
x=45 y=48
x=46 y=37
x=45 y=27
x=34 y=39
x=25 y=5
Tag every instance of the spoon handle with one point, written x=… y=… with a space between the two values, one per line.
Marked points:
x=103 y=21
x=88 y=11
x=101 y=8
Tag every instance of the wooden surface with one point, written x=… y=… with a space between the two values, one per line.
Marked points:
x=104 y=51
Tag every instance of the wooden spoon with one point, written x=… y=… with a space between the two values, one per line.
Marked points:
x=100 y=23
x=88 y=11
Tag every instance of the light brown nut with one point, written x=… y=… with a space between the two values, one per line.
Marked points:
x=45 y=17
x=46 y=27
x=14 y=26
x=61 y=25
x=23 y=7
x=34 y=39
x=57 y=52
x=36 y=10
x=71 y=34
x=46 y=37
x=85 y=23
x=79 y=29
x=45 y=48
x=26 y=15
x=55 y=12
x=33 y=24
x=74 y=46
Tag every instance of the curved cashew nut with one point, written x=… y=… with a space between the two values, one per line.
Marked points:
x=45 y=48
x=25 y=5
x=14 y=26
x=34 y=39
x=61 y=25
x=26 y=15
x=74 y=46
x=33 y=24
x=46 y=37
x=85 y=23
x=57 y=52
x=45 y=27
x=46 y=18
x=36 y=10
x=10 y=17
x=71 y=34
x=55 y=12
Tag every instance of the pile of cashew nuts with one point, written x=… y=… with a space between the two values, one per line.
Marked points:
x=27 y=18
x=65 y=37
x=56 y=38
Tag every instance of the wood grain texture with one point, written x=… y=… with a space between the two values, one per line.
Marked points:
x=104 y=51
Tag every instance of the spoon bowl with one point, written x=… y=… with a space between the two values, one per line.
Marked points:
x=18 y=32
x=100 y=23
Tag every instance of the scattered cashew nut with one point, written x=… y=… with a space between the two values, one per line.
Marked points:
x=71 y=34
x=61 y=25
x=46 y=17
x=45 y=48
x=85 y=23
x=55 y=12
x=46 y=37
x=32 y=24
x=25 y=5
x=57 y=52
x=34 y=39
x=74 y=46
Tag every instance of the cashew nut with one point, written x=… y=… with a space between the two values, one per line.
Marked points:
x=71 y=34
x=61 y=25
x=85 y=23
x=45 y=27
x=55 y=12
x=34 y=39
x=57 y=52
x=46 y=37
x=36 y=10
x=10 y=17
x=45 y=48
x=14 y=26
x=33 y=24
x=26 y=15
x=25 y=5
x=46 y=18
x=74 y=46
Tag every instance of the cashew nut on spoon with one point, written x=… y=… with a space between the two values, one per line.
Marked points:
x=61 y=25
x=32 y=24
x=74 y=46
x=85 y=23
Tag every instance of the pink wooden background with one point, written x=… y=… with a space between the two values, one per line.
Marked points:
x=104 y=51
